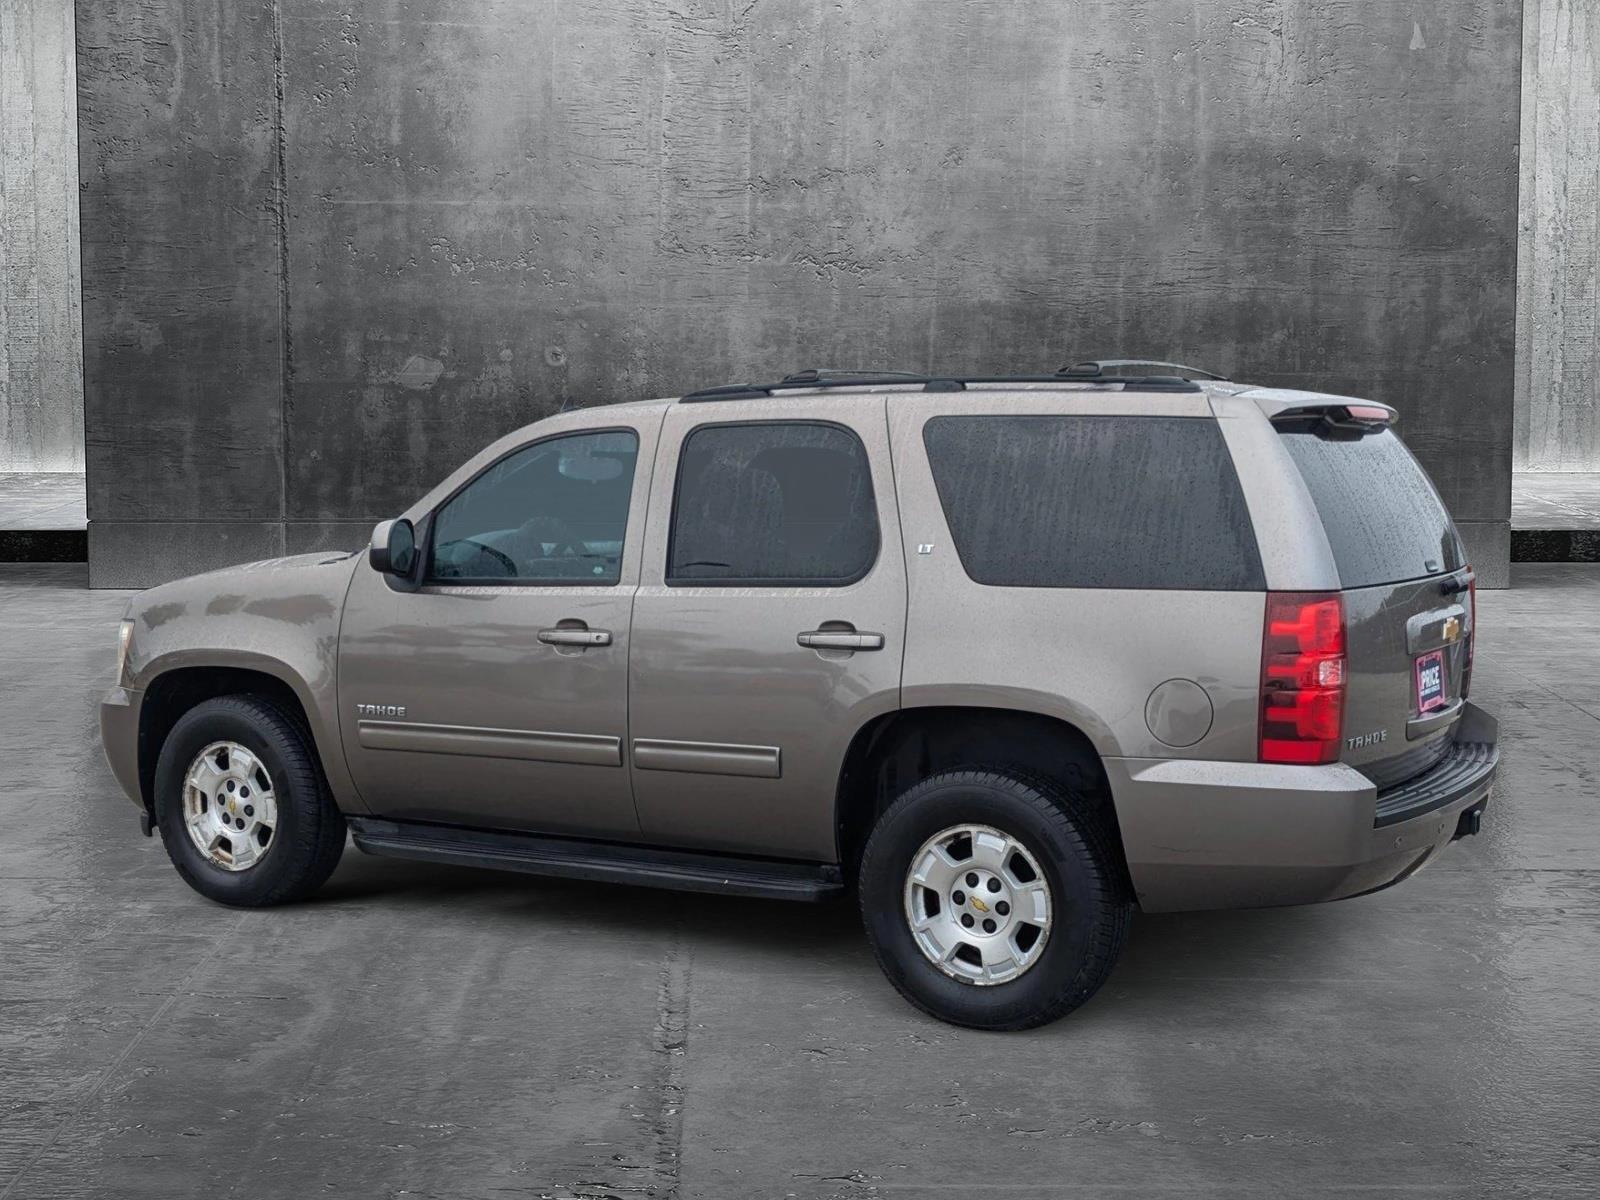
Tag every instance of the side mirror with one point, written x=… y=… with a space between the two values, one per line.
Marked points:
x=394 y=548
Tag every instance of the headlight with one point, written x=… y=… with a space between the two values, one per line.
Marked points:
x=124 y=640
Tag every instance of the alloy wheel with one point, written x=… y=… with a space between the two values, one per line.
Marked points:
x=229 y=807
x=978 y=904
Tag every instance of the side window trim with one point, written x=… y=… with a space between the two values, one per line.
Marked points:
x=677 y=581
x=431 y=517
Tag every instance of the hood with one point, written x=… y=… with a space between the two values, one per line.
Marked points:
x=297 y=589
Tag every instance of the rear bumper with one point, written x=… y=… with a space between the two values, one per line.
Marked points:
x=1242 y=835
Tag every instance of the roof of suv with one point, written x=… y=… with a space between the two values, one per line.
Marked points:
x=1125 y=375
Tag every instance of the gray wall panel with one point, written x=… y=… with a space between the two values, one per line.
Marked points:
x=127 y=554
x=1489 y=551
x=495 y=208
x=183 y=353
x=1558 y=313
x=302 y=537
x=41 y=347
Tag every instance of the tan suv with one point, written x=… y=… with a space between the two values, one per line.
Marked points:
x=1010 y=656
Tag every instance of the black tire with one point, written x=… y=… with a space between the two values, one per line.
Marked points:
x=309 y=837
x=1089 y=921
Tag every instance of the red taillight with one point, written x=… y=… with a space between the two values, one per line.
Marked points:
x=1472 y=630
x=1302 y=678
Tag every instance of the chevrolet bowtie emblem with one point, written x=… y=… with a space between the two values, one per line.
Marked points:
x=1452 y=629
x=979 y=905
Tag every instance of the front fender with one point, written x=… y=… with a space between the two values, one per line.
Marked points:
x=280 y=618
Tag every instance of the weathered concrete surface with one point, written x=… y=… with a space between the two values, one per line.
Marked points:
x=1558 y=316
x=41 y=344
x=1555 y=500
x=435 y=1032
x=333 y=246
x=183 y=337
x=41 y=500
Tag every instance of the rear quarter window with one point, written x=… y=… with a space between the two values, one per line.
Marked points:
x=1093 y=502
x=1384 y=520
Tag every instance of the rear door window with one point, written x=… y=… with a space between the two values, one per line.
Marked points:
x=1385 y=523
x=1094 y=502
x=772 y=503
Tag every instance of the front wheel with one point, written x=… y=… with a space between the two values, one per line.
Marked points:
x=242 y=806
x=992 y=900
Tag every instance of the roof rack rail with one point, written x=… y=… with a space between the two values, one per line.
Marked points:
x=1142 y=383
x=816 y=376
x=1118 y=368
x=813 y=379
x=802 y=381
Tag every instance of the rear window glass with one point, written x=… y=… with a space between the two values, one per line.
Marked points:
x=1094 y=502
x=1384 y=521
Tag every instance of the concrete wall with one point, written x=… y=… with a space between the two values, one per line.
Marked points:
x=41 y=348
x=333 y=246
x=1558 y=315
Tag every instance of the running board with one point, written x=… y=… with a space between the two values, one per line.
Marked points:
x=570 y=858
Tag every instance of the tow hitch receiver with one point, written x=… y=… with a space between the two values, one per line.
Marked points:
x=1471 y=821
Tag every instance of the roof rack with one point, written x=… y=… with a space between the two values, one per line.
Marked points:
x=1121 y=368
x=1084 y=372
x=813 y=376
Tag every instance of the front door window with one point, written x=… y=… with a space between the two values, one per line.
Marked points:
x=551 y=513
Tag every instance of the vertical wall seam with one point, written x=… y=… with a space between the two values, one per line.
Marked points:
x=1527 y=233
x=73 y=171
x=285 y=331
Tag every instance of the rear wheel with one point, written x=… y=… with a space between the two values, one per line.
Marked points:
x=992 y=900
x=242 y=806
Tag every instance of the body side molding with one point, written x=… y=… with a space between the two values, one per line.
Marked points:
x=586 y=749
x=708 y=758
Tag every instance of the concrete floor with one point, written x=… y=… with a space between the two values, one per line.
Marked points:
x=41 y=500
x=1555 y=500
x=425 y=1031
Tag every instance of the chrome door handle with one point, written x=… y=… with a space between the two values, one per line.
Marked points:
x=840 y=639
x=567 y=636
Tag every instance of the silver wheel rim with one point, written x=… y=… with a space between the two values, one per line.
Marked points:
x=229 y=807
x=978 y=905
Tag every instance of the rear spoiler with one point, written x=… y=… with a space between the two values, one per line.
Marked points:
x=1344 y=418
